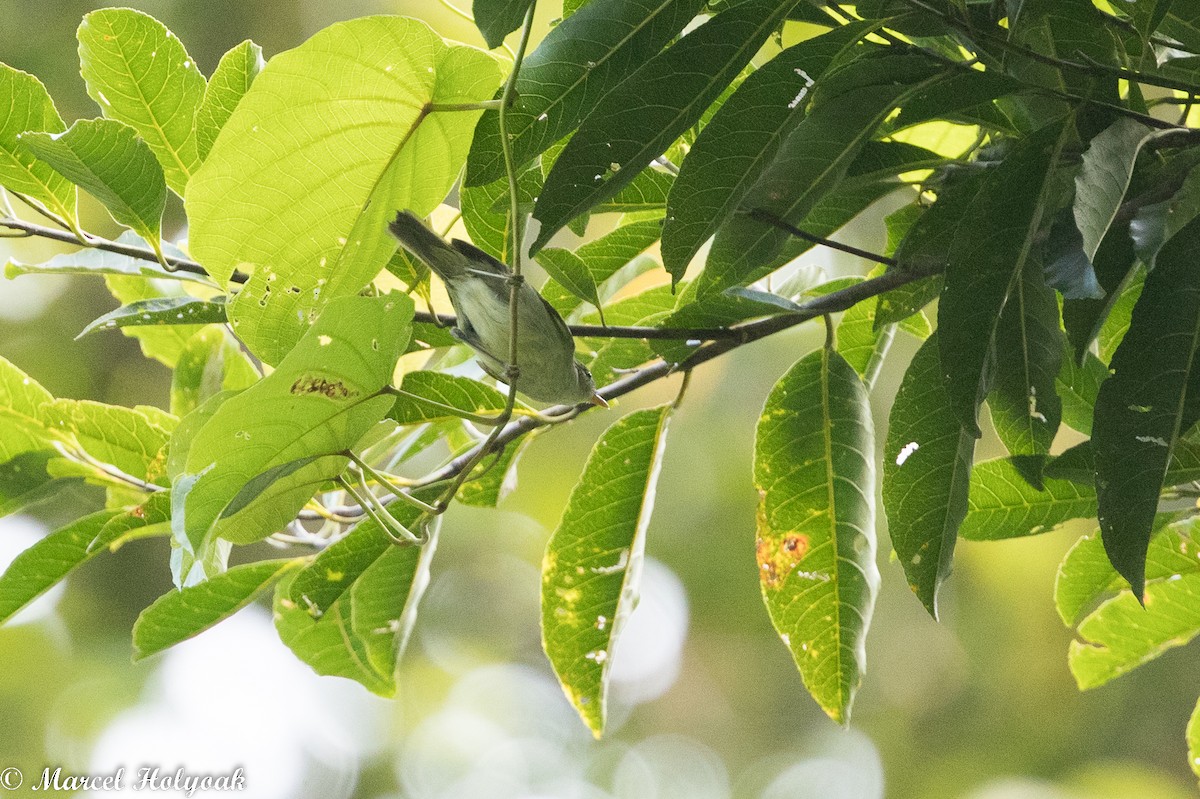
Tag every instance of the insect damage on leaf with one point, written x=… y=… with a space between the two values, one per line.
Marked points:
x=331 y=389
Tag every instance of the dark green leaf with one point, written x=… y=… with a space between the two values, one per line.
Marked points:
x=926 y=475
x=1100 y=186
x=814 y=469
x=1151 y=400
x=742 y=138
x=579 y=61
x=140 y=74
x=592 y=568
x=991 y=243
x=180 y=615
x=498 y=18
x=498 y=481
x=107 y=160
x=640 y=118
x=185 y=310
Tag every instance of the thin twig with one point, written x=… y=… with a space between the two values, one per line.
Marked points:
x=763 y=215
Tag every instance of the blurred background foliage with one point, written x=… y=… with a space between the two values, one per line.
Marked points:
x=707 y=703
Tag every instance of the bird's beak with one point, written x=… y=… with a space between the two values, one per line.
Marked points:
x=598 y=401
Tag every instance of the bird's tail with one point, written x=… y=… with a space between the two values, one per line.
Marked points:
x=429 y=247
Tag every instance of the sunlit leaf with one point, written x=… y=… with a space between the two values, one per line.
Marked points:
x=211 y=362
x=29 y=108
x=107 y=160
x=815 y=470
x=330 y=140
x=1002 y=504
x=152 y=517
x=231 y=79
x=25 y=420
x=161 y=311
x=127 y=438
x=434 y=396
x=592 y=567
x=926 y=475
x=1078 y=386
x=140 y=74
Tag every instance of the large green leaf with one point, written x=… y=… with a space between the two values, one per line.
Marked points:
x=35 y=570
x=1023 y=401
x=1002 y=503
x=1101 y=183
x=140 y=74
x=230 y=81
x=180 y=615
x=1149 y=402
x=815 y=470
x=384 y=601
x=811 y=162
x=316 y=405
x=738 y=143
x=580 y=60
x=592 y=567
x=26 y=424
x=107 y=160
x=331 y=139
x=640 y=118
x=29 y=108
x=926 y=476
x=991 y=242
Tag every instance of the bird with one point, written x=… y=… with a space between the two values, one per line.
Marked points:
x=479 y=290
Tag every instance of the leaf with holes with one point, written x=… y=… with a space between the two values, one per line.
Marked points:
x=140 y=74
x=592 y=567
x=926 y=475
x=814 y=468
x=328 y=142
x=160 y=311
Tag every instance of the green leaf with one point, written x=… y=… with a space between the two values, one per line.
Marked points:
x=498 y=481
x=592 y=567
x=815 y=471
x=47 y=562
x=606 y=258
x=486 y=213
x=434 y=396
x=1024 y=403
x=161 y=311
x=151 y=518
x=230 y=81
x=639 y=119
x=1078 y=387
x=1149 y=403
x=580 y=60
x=859 y=341
x=813 y=161
x=127 y=438
x=24 y=481
x=29 y=108
x=102 y=262
x=211 y=362
x=993 y=239
x=140 y=74
x=328 y=644
x=1002 y=504
x=740 y=141
x=1101 y=183
x=1086 y=576
x=498 y=18
x=163 y=343
x=1193 y=740
x=926 y=475
x=107 y=160
x=183 y=614
x=1122 y=635
x=25 y=423
x=329 y=141
x=324 y=397
x=571 y=272
x=384 y=600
